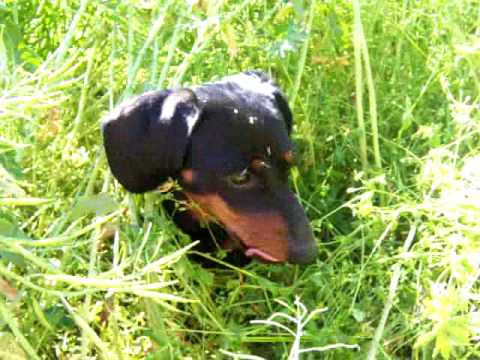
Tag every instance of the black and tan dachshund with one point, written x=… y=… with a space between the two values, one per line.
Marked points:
x=227 y=143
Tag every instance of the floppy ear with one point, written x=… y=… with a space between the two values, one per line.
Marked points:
x=146 y=138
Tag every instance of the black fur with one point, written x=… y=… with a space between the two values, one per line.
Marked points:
x=216 y=130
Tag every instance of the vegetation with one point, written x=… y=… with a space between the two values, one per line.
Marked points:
x=386 y=102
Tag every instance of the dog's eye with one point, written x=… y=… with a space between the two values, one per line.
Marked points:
x=240 y=179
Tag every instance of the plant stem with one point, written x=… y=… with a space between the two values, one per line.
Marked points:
x=357 y=42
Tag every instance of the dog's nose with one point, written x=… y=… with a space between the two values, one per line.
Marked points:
x=302 y=246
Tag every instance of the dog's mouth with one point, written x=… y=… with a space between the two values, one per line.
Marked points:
x=229 y=240
x=233 y=242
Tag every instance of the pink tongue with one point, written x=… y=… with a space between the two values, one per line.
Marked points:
x=252 y=252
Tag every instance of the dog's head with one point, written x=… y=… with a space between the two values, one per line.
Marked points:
x=228 y=145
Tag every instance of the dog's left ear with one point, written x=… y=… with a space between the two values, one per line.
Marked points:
x=146 y=138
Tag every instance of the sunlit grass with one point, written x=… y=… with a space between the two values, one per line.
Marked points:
x=386 y=102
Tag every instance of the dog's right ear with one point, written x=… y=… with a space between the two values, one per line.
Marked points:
x=146 y=138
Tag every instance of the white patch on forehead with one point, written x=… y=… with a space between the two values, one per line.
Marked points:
x=252 y=83
x=269 y=150
x=245 y=93
x=170 y=106
x=252 y=120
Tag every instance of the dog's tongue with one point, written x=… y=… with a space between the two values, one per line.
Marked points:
x=252 y=252
x=232 y=242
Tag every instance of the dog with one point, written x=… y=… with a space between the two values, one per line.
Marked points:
x=227 y=144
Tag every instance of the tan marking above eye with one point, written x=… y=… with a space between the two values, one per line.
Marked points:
x=258 y=164
x=289 y=157
x=188 y=176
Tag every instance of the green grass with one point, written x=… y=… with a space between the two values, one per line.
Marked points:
x=386 y=102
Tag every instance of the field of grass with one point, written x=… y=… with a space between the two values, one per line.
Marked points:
x=387 y=120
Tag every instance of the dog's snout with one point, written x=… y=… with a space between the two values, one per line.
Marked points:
x=302 y=247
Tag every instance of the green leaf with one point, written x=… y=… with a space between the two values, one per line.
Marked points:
x=424 y=339
x=8 y=184
x=358 y=315
x=99 y=204
x=58 y=317
x=9 y=229
x=10 y=349
x=205 y=277
x=443 y=345
x=299 y=7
